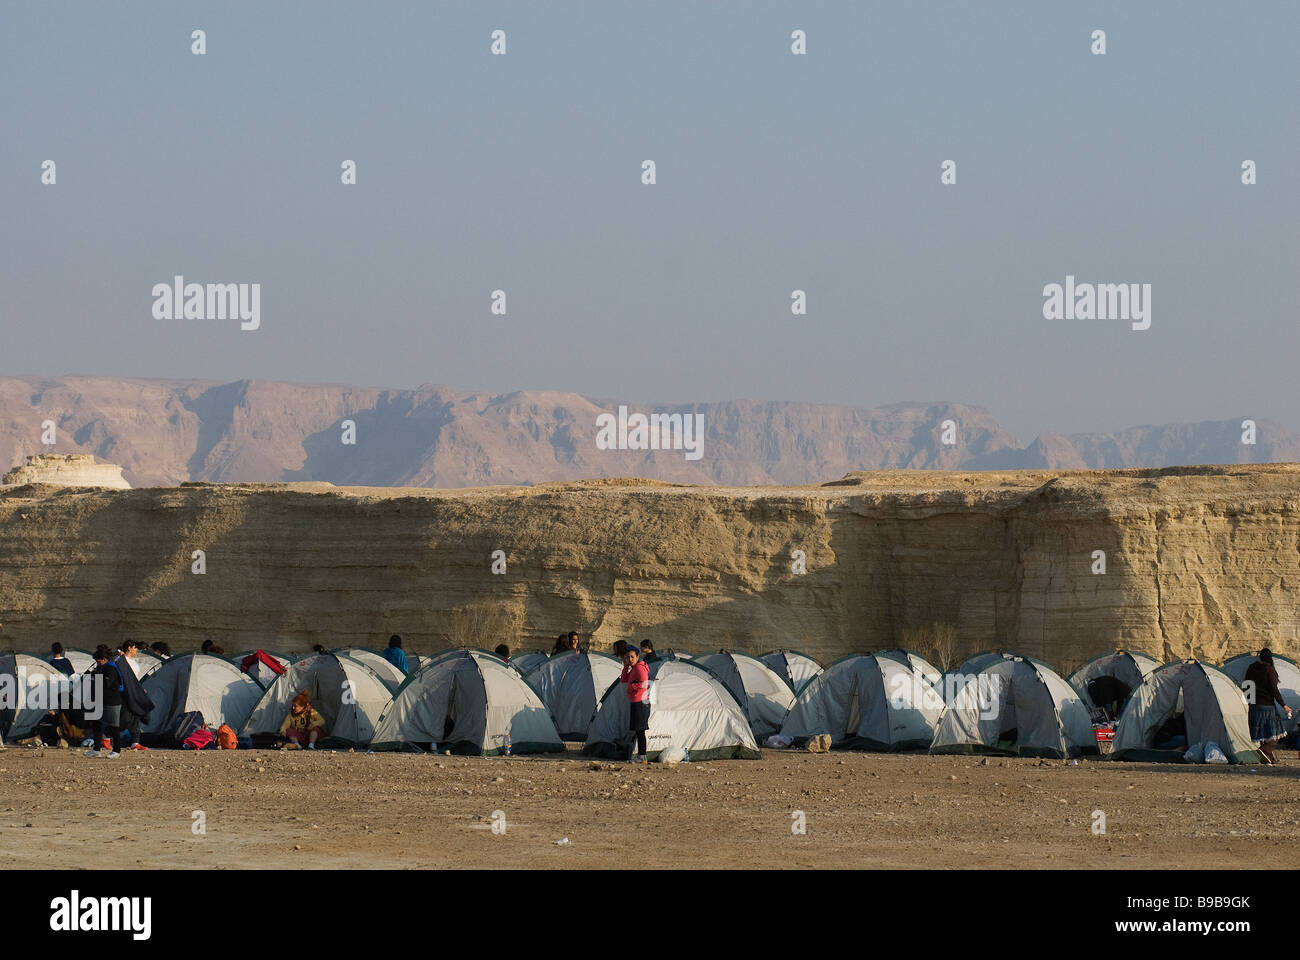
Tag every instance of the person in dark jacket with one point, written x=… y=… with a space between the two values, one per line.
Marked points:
x=1263 y=695
x=109 y=679
x=59 y=662
x=136 y=704
x=648 y=652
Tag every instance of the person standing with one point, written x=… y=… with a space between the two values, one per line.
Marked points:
x=1265 y=725
x=648 y=650
x=136 y=704
x=637 y=677
x=394 y=654
x=110 y=706
x=503 y=651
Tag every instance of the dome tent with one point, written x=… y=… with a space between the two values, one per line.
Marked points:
x=526 y=663
x=689 y=708
x=348 y=694
x=390 y=673
x=1129 y=667
x=1288 y=683
x=793 y=667
x=764 y=694
x=1019 y=707
x=928 y=671
x=952 y=681
x=1199 y=700
x=144 y=662
x=81 y=660
x=570 y=685
x=469 y=702
x=27 y=686
x=876 y=702
x=212 y=685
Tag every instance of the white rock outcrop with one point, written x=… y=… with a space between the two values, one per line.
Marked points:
x=67 y=470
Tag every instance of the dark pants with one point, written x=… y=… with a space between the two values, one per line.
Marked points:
x=132 y=723
x=108 y=727
x=639 y=723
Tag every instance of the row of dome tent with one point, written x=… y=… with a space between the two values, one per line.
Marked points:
x=718 y=705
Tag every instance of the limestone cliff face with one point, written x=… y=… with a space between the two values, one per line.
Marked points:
x=1199 y=561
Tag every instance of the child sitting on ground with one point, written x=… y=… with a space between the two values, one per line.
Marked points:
x=304 y=726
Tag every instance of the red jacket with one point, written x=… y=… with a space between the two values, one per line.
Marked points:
x=638 y=682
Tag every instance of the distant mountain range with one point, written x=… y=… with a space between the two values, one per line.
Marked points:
x=163 y=432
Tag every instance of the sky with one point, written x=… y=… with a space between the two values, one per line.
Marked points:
x=774 y=173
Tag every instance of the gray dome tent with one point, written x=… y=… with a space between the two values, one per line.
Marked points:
x=956 y=678
x=765 y=695
x=27 y=686
x=1210 y=706
x=1288 y=683
x=212 y=685
x=571 y=685
x=526 y=663
x=793 y=667
x=81 y=660
x=469 y=702
x=144 y=662
x=879 y=702
x=348 y=694
x=1018 y=707
x=689 y=708
x=1129 y=667
x=390 y=673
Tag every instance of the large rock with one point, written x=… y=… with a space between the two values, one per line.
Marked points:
x=1199 y=561
x=67 y=470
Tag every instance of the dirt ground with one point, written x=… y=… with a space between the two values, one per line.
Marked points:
x=269 y=809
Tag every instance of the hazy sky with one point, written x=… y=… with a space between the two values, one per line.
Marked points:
x=775 y=172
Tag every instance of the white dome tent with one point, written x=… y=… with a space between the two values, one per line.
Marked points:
x=391 y=674
x=793 y=667
x=212 y=685
x=881 y=702
x=469 y=702
x=689 y=708
x=1016 y=706
x=765 y=695
x=1200 y=701
x=347 y=693
x=27 y=686
x=571 y=685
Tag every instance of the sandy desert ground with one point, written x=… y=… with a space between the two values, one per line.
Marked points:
x=270 y=809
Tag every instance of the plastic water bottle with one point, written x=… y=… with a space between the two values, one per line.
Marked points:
x=508 y=753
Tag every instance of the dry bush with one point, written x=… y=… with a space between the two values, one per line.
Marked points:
x=482 y=625
x=937 y=642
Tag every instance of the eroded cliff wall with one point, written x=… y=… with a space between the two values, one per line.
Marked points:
x=1198 y=561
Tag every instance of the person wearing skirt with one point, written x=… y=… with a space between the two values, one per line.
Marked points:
x=1261 y=684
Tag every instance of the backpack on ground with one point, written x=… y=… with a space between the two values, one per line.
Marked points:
x=226 y=739
x=200 y=739
x=186 y=725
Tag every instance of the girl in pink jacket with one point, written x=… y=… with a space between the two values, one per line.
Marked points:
x=637 y=677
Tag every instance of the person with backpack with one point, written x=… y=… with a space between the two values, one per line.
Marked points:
x=109 y=680
x=304 y=726
x=637 y=677
x=136 y=704
x=394 y=654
